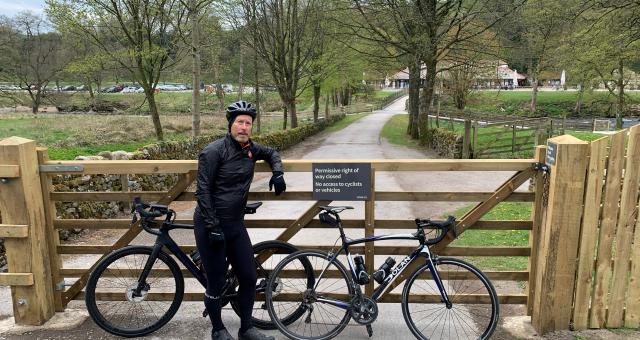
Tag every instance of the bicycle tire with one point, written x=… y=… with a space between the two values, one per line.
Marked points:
x=467 y=288
x=260 y=317
x=129 y=262
x=282 y=271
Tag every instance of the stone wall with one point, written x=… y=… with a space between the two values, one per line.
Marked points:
x=188 y=149
x=446 y=143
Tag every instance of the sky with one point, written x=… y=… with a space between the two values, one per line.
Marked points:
x=12 y=7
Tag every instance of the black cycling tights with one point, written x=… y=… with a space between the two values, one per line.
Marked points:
x=238 y=250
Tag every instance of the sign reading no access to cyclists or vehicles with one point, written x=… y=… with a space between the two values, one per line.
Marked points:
x=341 y=181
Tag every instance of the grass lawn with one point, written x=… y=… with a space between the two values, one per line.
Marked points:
x=550 y=103
x=395 y=131
x=511 y=211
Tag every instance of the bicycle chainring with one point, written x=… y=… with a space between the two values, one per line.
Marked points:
x=364 y=310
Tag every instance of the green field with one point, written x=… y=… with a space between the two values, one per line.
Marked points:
x=71 y=135
x=395 y=132
x=550 y=103
x=509 y=211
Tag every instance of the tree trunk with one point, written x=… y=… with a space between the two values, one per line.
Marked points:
x=316 y=102
x=534 y=95
x=153 y=110
x=326 y=107
x=241 y=74
x=414 y=97
x=620 y=110
x=284 y=120
x=256 y=89
x=219 y=91
x=578 y=108
x=293 y=113
x=92 y=95
x=424 y=132
x=195 y=54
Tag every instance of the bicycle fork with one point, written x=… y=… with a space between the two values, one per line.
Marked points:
x=142 y=279
x=436 y=277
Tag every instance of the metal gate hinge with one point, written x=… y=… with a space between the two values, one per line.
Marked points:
x=62 y=168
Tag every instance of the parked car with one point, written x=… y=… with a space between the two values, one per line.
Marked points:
x=129 y=89
x=68 y=88
x=227 y=88
x=167 y=87
x=82 y=88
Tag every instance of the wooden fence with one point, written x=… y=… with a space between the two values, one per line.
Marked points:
x=584 y=251
x=57 y=283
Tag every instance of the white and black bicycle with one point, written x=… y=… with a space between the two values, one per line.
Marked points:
x=444 y=298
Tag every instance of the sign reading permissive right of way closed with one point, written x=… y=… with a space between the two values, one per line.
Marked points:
x=341 y=181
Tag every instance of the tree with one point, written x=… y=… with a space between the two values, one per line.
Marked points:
x=424 y=32
x=30 y=55
x=141 y=35
x=284 y=33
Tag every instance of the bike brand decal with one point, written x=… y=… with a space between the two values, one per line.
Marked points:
x=399 y=268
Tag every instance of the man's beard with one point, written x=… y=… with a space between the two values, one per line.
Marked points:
x=241 y=138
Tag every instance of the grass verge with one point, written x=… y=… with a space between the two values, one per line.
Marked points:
x=511 y=211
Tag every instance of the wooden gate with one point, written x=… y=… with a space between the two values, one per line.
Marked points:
x=77 y=277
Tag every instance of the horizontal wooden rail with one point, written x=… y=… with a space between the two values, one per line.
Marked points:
x=9 y=171
x=291 y=196
x=508 y=299
x=380 y=250
x=14 y=231
x=16 y=279
x=184 y=166
x=347 y=223
x=493 y=275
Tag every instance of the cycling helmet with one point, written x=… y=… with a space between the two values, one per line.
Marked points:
x=240 y=108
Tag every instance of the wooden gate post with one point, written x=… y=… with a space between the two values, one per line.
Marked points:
x=556 y=267
x=21 y=203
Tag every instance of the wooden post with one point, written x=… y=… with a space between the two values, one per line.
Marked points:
x=537 y=217
x=369 y=230
x=466 y=142
x=124 y=181
x=21 y=203
x=556 y=268
x=474 y=147
x=513 y=138
x=53 y=238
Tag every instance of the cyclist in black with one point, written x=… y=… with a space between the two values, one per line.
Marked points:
x=225 y=172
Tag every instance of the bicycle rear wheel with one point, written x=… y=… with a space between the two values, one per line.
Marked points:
x=474 y=309
x=268 y=254
x=325 y=301
x=110 y=297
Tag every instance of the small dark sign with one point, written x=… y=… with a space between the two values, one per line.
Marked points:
x=552 y=151
x=341 y=181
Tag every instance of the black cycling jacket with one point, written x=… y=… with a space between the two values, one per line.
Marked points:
x=225 y=172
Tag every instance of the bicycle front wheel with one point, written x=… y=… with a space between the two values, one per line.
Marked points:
x=474 y=309
x=111 y=299
x=325 y=301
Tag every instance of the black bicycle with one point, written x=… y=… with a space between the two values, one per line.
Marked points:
x=444 y=298
x=136 y=290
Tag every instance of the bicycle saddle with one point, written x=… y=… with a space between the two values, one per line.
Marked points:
x=251 y=208
x=335 y=209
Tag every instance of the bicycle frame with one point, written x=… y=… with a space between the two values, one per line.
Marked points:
x=164 y=240
x=422 y=250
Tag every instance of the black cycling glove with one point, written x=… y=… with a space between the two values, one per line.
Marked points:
x=277 y=181
x=215 y=232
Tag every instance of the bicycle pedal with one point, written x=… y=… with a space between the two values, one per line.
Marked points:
x=205 y=313
x=369 y=330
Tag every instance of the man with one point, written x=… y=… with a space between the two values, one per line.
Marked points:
x=225 y=172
